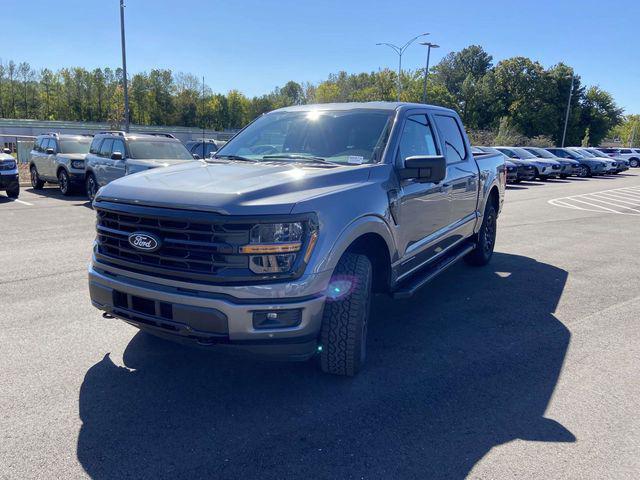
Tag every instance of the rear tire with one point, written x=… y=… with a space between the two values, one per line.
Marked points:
x=36 y=183
x=486 y=238
x=343 y=334
x=584 y=172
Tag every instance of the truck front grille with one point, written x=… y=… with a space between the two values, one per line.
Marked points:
x=190 y=249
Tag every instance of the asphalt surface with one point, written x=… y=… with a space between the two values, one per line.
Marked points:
x=527 y=368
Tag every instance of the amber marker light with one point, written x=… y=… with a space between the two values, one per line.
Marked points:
x=264 y=249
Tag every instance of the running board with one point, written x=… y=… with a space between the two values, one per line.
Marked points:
x=408 y=287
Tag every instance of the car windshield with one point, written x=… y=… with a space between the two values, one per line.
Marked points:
x=345 y=137
x=541 y=153
x=598 y=153
x=586 y=153
x=75 y=146
x=158 y=150
x=522 y=153
x=575 y=155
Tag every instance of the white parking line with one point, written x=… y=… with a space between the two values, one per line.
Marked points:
x=23 y=202
x=617 y=200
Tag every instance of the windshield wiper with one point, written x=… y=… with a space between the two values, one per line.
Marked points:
x=295 y=157
x=235 y=157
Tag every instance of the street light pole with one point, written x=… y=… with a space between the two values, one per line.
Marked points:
x=124 y=69
x=400 y=51
x=566 y=117
x=429 y=46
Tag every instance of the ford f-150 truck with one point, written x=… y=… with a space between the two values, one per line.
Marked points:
x=275 y=244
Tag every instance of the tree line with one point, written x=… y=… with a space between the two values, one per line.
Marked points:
x=515 y=100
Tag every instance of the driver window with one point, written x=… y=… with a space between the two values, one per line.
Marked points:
x=105 y=148
x=118 y=146
x=417 y=138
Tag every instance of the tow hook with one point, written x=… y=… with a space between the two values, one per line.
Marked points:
x=107 y=315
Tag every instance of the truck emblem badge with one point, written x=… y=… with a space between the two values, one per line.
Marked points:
x=144 y=241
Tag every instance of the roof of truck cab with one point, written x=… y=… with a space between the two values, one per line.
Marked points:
x=389 y=106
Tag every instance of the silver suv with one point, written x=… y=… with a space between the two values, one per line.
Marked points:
x=114 y=154
x=59 y=159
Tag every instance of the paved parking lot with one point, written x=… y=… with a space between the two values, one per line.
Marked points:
x=527 y=368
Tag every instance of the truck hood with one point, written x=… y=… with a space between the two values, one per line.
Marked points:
x=138 y=165
x=232 y=188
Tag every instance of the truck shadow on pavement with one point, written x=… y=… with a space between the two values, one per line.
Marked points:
x=469 y=363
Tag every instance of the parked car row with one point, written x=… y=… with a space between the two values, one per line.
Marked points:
x=528 y=163
x=86 y=163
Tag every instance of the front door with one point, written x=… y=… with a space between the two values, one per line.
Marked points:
x=116 y=168
x=423 y=211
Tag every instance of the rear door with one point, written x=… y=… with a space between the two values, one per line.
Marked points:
x=116 y=168
x=103 y=172
x=44 y=166
x=423 y=211
x=37 y=155
x=462 y=179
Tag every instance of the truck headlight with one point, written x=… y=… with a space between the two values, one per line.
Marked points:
x=274 y=247
x=8 y=165
x=79 y=164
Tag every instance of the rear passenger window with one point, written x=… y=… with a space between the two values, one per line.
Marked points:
x=452 y=139
x=38 y=145
x=105 y=148
x=44 y=145
x=417 y=138
x=95 y=146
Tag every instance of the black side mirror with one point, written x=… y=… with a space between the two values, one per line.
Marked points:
x=427 y=168
x=196 y=156
x=116 y=156
x=50 y=151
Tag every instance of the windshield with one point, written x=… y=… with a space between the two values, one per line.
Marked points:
x=541 y=153
x=346 y=137
x=575 y=155
x=586 y=153
x=158 y=150
x=598 y=153
x=522 y=153
x=75 y=146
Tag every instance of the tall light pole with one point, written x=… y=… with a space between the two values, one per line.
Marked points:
x=429 y=46
x=400 y=51
x=124 y=69
x=566 y=117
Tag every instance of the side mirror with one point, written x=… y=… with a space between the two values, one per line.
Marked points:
x=50 y=151
x=116 y=156
x=196 y=156
x=6 y=150
x=427 y=168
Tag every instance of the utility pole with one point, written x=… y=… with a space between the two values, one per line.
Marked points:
x=566 y=117
x=124 y=69
x=400 y=51
x=429 y=46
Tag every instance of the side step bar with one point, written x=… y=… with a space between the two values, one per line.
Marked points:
x=419 y=279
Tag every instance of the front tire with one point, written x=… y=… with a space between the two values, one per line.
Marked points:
x=633 y=163
x=343 y=334
x=486 y=238
x=36 y=183
x=64 y=183
x=584 y=172
x=14 y=192
x=91 y=186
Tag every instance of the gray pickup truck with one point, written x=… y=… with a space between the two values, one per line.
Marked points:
x=276 y=243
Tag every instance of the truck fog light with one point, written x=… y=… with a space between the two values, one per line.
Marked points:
x=265 y=319
x=271 y=263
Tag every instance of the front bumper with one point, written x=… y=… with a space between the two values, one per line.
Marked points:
x=9 y=181
x=210 y=319
x=76 y=177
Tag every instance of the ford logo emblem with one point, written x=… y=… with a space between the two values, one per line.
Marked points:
x=144 y=241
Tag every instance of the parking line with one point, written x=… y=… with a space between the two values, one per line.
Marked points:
x=617 y=198
x=22 y=202
x=597 y=206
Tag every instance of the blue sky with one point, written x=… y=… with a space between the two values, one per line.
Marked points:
x=254 y=45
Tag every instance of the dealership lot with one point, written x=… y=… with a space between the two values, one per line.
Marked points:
x=526 y=368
